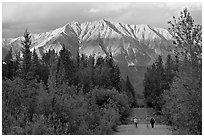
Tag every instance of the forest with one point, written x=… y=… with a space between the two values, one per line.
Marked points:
x=174 y=88
x=60 y=94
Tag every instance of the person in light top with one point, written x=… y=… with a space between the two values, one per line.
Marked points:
x=147 y=121
x=135 y=121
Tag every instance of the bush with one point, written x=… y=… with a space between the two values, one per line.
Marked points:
x=62 y=110
x=183 y=104
x=120 y=100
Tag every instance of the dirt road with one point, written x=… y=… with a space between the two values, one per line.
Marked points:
x=142 y=128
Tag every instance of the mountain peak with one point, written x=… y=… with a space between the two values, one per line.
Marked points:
x=74 y=22
x=144 y=25
x=132 y=46
x=101 y=20
x=88 y=33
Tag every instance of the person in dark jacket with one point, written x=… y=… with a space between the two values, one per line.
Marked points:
x=152 y=121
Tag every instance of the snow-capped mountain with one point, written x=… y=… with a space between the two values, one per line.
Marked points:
x=133 y=46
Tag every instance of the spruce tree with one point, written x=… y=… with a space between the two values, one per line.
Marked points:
x=148 y=86
x=109 y=60
x=66 y=67
x=116 y=78
x=84 y=62
x=99 y=61
x=159 y=83
x=69 y=67
x=130 y=92
x=35 y=66
x=92 y=67
x=26 y=65
x=8 y=65
x=78 y=60
x=17 y=65
x=154 y=84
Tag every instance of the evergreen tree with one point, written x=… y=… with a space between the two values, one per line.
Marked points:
x=8 y=57
x=169 y=72
x=17 y=64
x=130 y=92
x=100 y=61
x=149 y=86
x=69 y=68
x=78 y=60
x=154 y=84
x=160 y=73
x=48 y=65
x=116 y=78
x=35 y=66
x=159 y=83
x=176 y=64
x=43 y=72
x=92 y=67
x=8 y=65
x=46 y=56
x=66 y=68
x=26 y=64
x=84 y=62
x=109 y=60
x=105 y=77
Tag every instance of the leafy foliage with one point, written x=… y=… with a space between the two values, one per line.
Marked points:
x=60 y=95
x=183 y=102
x=178 y=93
x=188 y=35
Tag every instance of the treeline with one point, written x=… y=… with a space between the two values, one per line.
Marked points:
x=158 y=78
x=59 y=94
x=174 y=88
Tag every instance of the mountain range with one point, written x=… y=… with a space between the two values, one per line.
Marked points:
x=133 y=47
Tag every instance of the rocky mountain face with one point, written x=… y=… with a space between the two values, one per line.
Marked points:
x=133 y=46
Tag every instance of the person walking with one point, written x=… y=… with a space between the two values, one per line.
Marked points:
x=147 y=121
x=152 y=121
x=135 y=121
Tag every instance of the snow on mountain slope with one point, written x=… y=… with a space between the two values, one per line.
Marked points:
x=117 y=38
x=132 y=46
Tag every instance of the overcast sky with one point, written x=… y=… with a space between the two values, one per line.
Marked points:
x=41 y=17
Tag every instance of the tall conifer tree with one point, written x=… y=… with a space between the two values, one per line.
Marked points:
x=26 y=66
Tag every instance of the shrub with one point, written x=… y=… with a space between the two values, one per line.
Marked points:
x=183 y=104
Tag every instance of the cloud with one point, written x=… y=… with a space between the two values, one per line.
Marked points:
x=147 y=14
x=176 y=7
x=109 y=7
x=181 y=5
x=118 y=6
x=41 y=17
x=92 y=10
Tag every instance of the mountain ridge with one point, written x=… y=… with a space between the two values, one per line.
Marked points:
x=132 y=46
